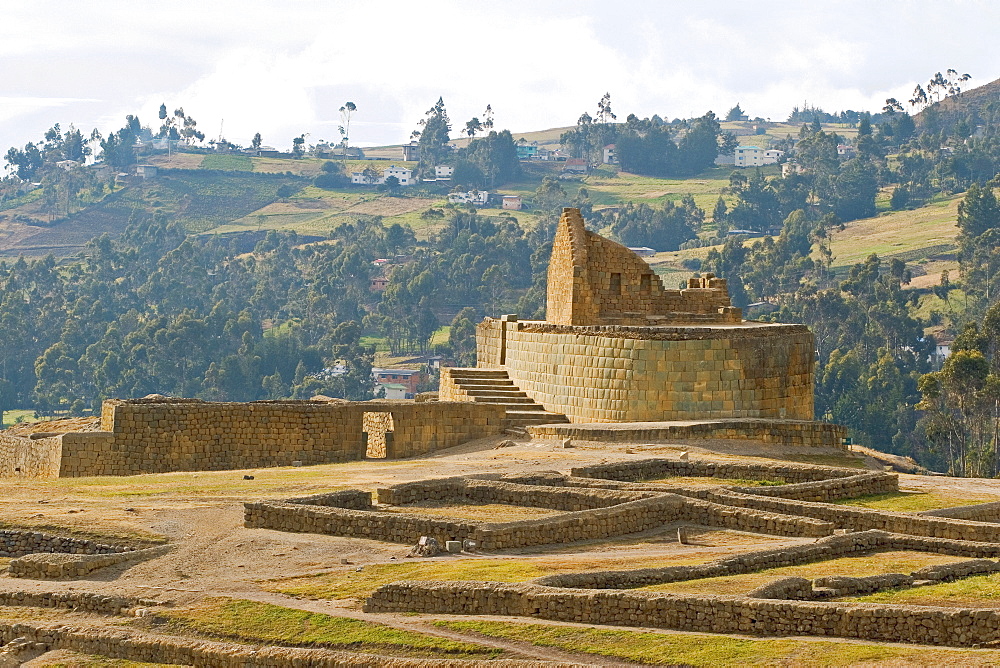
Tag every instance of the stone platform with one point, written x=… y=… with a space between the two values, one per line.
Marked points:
x=786 y=432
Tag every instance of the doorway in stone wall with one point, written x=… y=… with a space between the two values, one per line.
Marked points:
x=378 y=429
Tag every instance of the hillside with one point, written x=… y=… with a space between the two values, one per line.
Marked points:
x=979 y=104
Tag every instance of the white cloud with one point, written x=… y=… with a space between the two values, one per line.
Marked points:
x=285 y=69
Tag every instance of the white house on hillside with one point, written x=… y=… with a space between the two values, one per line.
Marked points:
x=404 y=175
x=755 y=156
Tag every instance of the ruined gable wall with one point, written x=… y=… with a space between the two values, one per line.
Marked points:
x=595 y=281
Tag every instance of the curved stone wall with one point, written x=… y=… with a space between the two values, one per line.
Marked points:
x=652 y=374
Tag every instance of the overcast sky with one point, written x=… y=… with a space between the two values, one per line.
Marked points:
x=284 y=68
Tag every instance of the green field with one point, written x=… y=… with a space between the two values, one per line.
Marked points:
x=909 y=235
x=15 y=416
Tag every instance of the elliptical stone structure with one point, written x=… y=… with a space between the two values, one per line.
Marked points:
x=619 y=347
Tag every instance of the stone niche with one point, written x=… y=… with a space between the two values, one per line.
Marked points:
x=618 y=347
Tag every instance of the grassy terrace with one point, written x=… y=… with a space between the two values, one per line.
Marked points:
x=980 y=591
x=910 y=235
x=251 y=621
x=694 y=649
x=915 y=502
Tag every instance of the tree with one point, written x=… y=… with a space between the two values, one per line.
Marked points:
x=256 y=142
x=472 y=127
x=735 y=114
x=488 y=118
x=346 y=112
x=298 y=146
x=434 y=138
x=604 y=113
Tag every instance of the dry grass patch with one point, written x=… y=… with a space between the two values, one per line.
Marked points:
x=349 y=583
x=696 y=649
x=704 y=481
x=872 y=564
x=488 y=512
x=252 y=621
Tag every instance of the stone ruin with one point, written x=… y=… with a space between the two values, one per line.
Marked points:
x=616 y=346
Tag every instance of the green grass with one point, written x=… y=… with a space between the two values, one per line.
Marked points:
x=695 y=649
x=11 y=417
x=252 y=621
x=913 y=502
x=441 y=335
x=976 y=592
x=228 y=162
x=911 y=234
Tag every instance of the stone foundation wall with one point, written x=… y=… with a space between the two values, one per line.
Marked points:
x=785 y=432
x=589 y=514
x=154 y=436
x=652 y=469
x=43 y=566
x=160 y=435
x=981 y=512
x=100 y=604
x=705 y=614
x=652 y=374
x=860 y=519
x=19 y=542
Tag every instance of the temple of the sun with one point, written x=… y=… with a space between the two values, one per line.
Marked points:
x=616 y=346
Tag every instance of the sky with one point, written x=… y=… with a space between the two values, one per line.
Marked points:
x=285 y=68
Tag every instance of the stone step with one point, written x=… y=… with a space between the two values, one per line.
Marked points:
x=519 y=401
x=521 y=418
x=513 y=392
x=479 y=373
x=481 y=384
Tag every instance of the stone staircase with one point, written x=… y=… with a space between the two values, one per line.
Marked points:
x=495 y=387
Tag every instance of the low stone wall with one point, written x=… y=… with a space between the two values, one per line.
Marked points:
x=704 y=614
x=100 y=604
x=962 y=569
x=799 y=433
x=980 y=512
x=652 y=469
x=830 y=490
x=44 y=566
x=831 y=547
x=588 y=513
x=161 y=649
x=156 y=435
x=19 y=542
x=354 y=499
x=860 y=519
